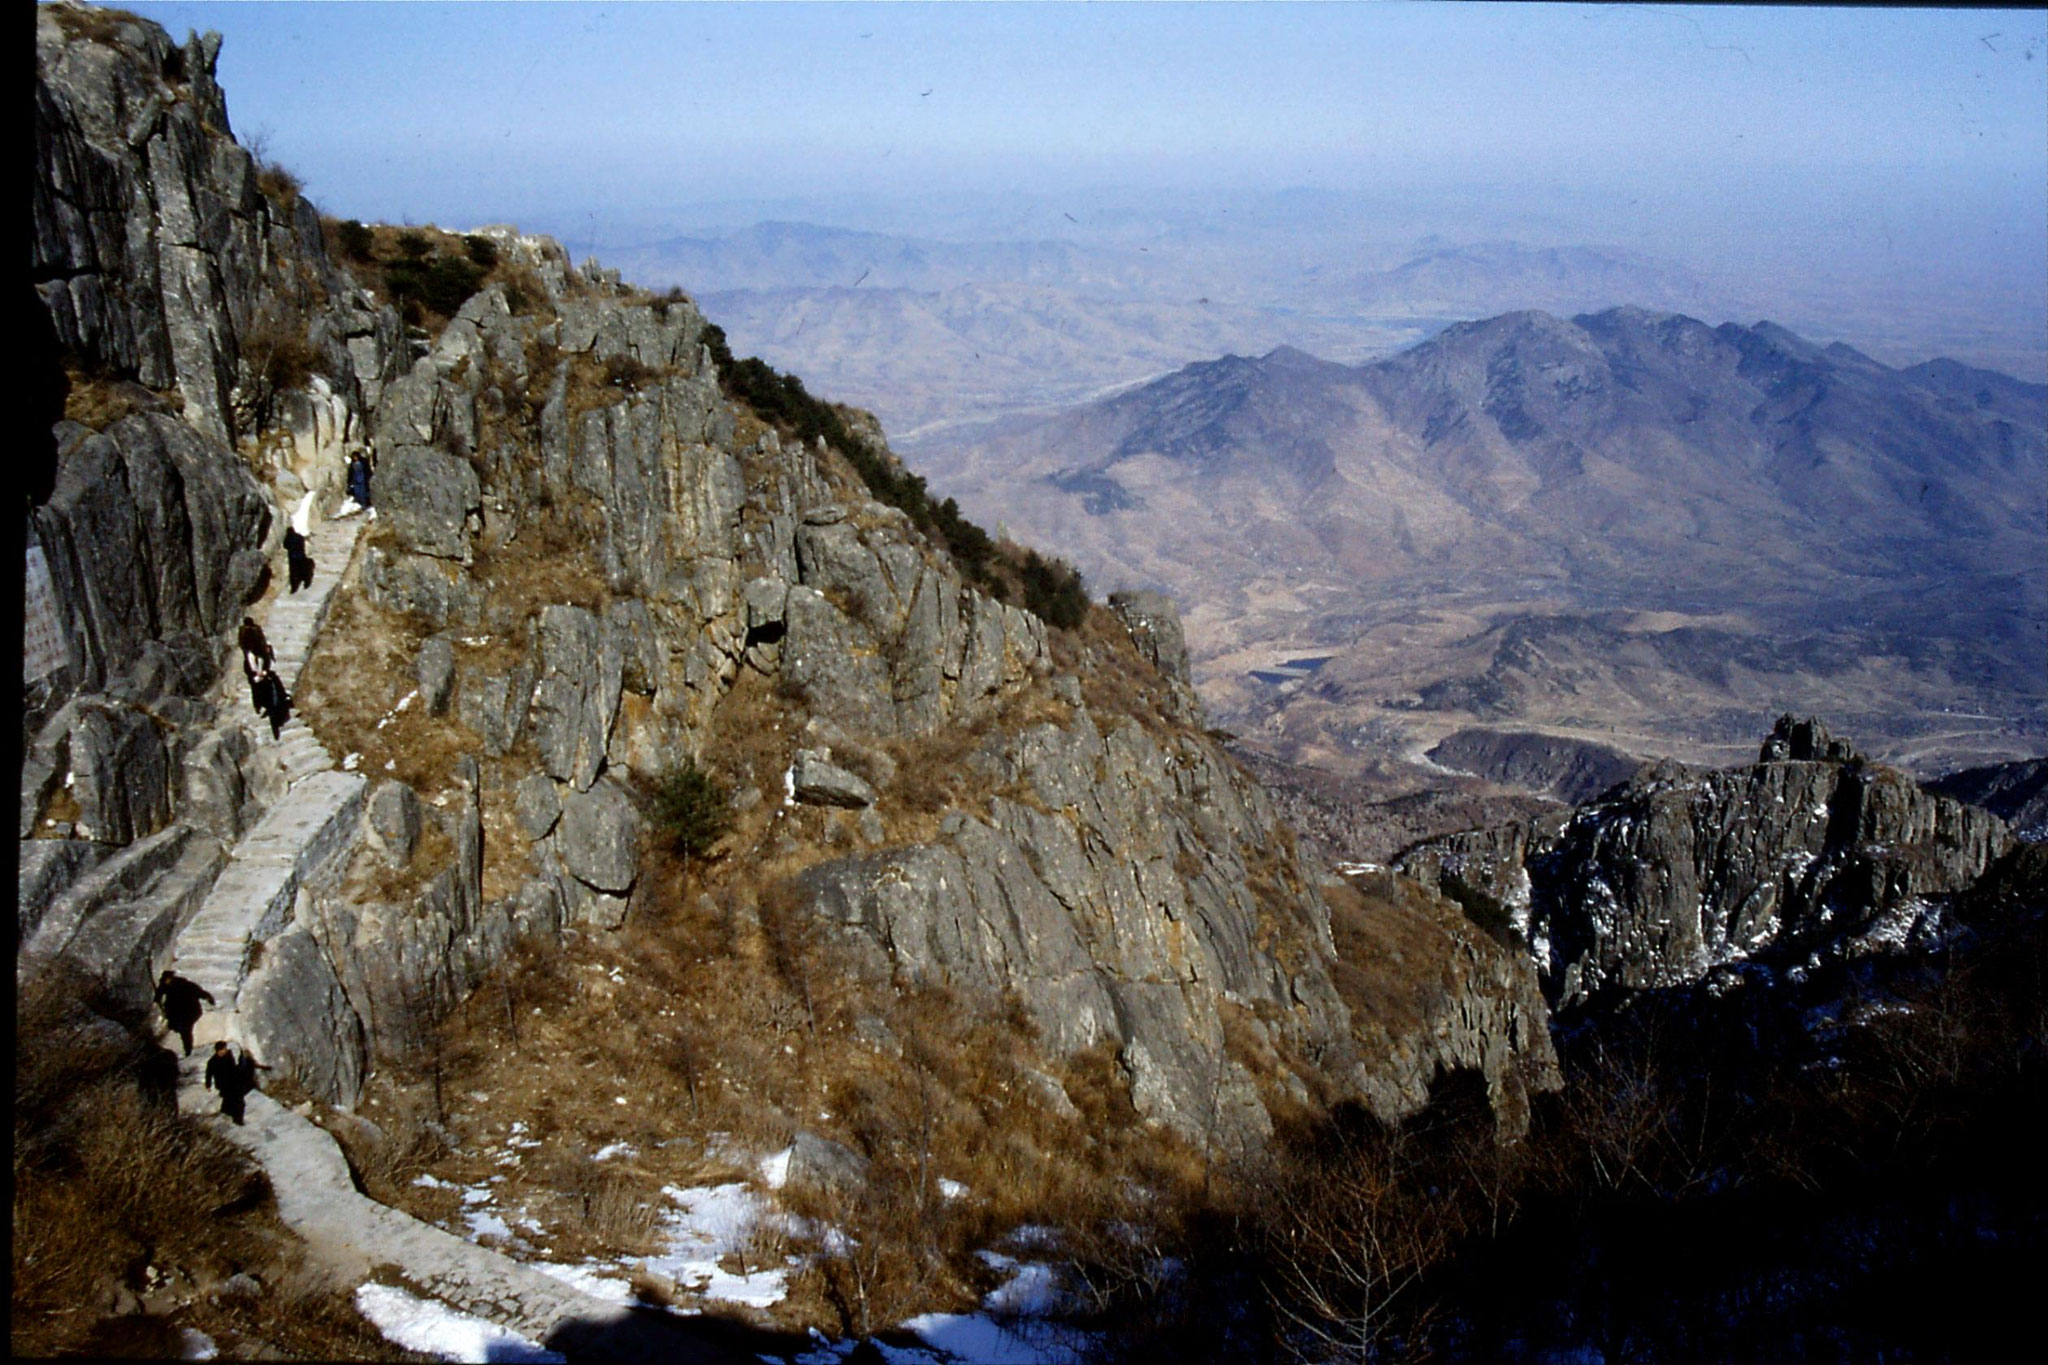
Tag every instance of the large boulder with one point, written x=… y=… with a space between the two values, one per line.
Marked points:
x=577 y=699
x=428 y=497
x=817 y=781
x=598 y=839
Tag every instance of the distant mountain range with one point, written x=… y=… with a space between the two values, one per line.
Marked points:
x=1050 y=309
x=928 y=331
x=1627 y=527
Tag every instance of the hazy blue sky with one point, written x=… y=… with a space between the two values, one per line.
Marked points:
x=1866 y=138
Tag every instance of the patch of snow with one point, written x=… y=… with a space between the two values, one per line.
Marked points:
x=431 y=1183
x=952 y=1189
x=775 y=1169
x=483 y=1223
x=194 y=1344
x=1033 y=1291
x=789 y=785
x=476 y=1194
x=1358 y=869
x=425 y=1325
x=351 y=763
x=980 y=1338
x=711 y=1222
x=407 y=700
x=612 y=1149
x=585 y=1277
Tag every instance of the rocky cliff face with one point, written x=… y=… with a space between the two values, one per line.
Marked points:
x=1810 y=852
x=221 y=365
x=591 y=569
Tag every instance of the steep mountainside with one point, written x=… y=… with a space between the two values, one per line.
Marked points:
x=1628 y=528
x=600 y=587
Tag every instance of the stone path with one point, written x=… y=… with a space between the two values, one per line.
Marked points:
x=306 y=832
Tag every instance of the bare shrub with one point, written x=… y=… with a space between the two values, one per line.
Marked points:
x=276 y=358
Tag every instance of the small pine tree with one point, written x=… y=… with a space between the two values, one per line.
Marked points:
x=692 y=809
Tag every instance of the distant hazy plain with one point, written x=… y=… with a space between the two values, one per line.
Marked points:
x=1875 y=176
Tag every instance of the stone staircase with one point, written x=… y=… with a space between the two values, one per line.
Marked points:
x=306 y=831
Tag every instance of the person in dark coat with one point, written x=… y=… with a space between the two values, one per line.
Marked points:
x=298 y=564
x=232 y=1078
x=179 y=999
x=257 y=658
x=224 y=1077
x=272 y=700
x=256 y=652
x=359 y=479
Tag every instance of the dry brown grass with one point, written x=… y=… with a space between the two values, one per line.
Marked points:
x=552 y=559
x=98 y=401
x=1394 y=951
x=722 y=1017
x=108 y=1181
x=531 y=296
x=1116 y=680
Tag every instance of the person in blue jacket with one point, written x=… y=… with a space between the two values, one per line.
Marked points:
x=359 y=481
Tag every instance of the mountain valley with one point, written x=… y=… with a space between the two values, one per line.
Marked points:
x=1627 y=529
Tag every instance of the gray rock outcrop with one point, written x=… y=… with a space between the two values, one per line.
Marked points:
x=1680 y=871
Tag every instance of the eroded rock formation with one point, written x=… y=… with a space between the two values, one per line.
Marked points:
x=1681 y=871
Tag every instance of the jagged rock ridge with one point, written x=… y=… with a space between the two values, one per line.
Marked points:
x=1680 y=872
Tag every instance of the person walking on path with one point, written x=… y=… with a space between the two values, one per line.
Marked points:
x=272 y=701
x=257 y=657
x=298 y=564
x=359 y=487
x=232 y=1078
x=179 y=999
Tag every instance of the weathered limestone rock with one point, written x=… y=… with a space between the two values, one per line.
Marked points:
x=598 y=839
x=427 y=496
x=391 y=818
x=577 y=699
x=817 y=781
x=832 y=664
x=298 y=1019
x=1154 y=624
x=121 y=773
x=436 y=674
x=819 y=1163
x=46 y=869
x=536 y=805
x=1803 y=740
x=150 y=533
x=495 y=704
x=213 y=790
x=420 y=585
x=1680 y=871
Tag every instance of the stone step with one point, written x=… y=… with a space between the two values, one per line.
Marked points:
x=255 y=894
